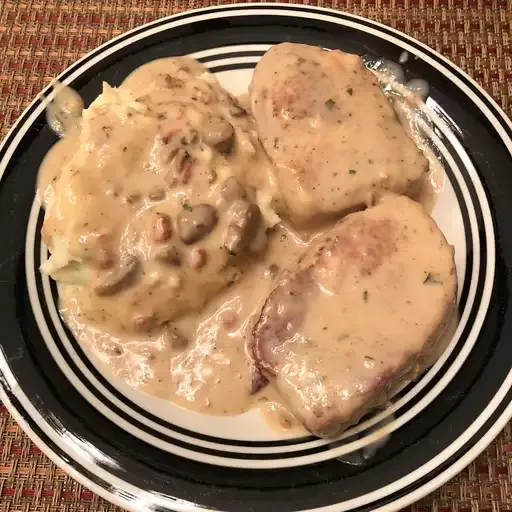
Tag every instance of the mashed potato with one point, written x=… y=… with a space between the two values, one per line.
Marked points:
x=162 y=195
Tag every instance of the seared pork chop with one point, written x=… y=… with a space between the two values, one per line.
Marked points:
x=332 y=135
x=358 y=316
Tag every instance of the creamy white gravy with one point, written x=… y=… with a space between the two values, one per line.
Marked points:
x=106 y=207
x=63 y=113
x=214 y=365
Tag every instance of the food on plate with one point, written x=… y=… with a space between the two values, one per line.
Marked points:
x=204 y=256
x=332 y=135
x=358 y=316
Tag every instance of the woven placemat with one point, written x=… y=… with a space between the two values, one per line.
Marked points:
x=40 y=38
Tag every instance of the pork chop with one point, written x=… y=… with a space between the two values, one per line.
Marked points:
x=332 y=135
x=358 y=316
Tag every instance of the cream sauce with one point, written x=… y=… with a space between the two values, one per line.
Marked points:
x=213 y=364
x=408 y=103
x=105 y=186
x=64 y=112
x=55 y=160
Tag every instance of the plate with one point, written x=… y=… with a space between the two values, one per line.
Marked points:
x=146 y=454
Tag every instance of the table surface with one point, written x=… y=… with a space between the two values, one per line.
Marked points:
x=40 y=38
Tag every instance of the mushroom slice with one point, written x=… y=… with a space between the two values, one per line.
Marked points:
x=232 y=189
x=196 y=223
x=219 y=135
x=243 y=228
x=123 y=276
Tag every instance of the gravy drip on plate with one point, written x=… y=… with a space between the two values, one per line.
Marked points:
x=140 y=194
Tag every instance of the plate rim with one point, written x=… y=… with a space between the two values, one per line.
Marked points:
x=5 y=372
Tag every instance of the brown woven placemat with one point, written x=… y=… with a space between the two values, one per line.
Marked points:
x=40 y=38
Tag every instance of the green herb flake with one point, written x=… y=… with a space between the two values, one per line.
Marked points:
x=276 y=142
x=187 y=207
x=350 y=91
x=329 y=104
x=432 y=279
x=352 y=171
x=365 y=296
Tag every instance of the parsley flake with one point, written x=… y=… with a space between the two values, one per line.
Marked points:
x=187 y=207
x=352 y=171
x=432 y=279
x=329 y=104
x=365 y=296
x=350 y=91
